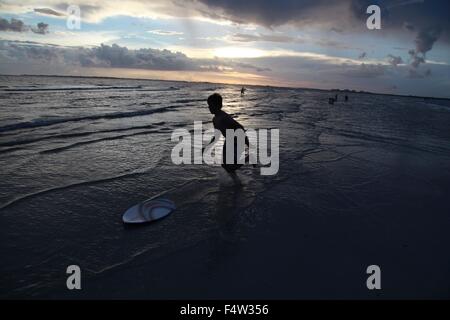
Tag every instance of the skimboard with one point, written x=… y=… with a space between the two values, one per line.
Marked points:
x=148 y=210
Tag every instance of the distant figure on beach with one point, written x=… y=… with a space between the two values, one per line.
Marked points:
x=223 y=121
x=243 y=91
x=346 y=98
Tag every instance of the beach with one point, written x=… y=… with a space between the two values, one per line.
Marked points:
x=363 y=182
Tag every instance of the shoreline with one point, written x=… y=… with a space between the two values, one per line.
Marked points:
x=344 y=91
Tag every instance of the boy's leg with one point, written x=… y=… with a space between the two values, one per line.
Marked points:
x=229 y=167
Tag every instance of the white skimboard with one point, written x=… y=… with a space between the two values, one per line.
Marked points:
x=148 y=210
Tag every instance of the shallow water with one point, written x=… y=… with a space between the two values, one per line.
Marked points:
x=75 y=153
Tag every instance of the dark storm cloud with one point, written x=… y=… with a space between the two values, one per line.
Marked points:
x=416 y=58
x=396 y=14
x=266 y=13
x=48 y=11
x=409 y=15
x=41 y=28
x=394 y=60
x=428 y=19
x=426 y=38
x=16 y=25
x=12 y=25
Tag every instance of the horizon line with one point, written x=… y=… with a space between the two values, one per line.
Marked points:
x=231 y=84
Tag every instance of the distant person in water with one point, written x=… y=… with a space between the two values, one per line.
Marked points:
x=243 y=91
x=346 y=97
x=335 y=97
x=223 y=121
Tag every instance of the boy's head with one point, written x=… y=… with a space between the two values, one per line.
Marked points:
x=215 y=103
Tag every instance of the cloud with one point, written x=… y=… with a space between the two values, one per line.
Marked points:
x=299 y=69
x=250 y=66
x=409 y=15
x=165 y=32
x=276 y=13
x=103 y=56
x=280 y=38
x=426 y=38
x=114 y=56
x=400 y=3
x=424 y=41
x=338 y=16
x=153 y=59
x=416 y=58
x=332 y=44
x=337 y=30
x=243 y=37
x=16 y=25
x=42 y=28
x=12 y=25
x=94 y=10
x=394 y=60
x=408 y=26
x=50 y=12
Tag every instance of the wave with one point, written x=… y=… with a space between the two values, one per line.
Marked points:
x=115 y=115
x=73 y=88
x=387 y=140
x=81 y=143
x=65 y=187
x=74 y=135
x=189 y=100
x=212 y=88
x=162 y=89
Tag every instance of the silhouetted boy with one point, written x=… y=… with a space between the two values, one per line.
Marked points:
x=223 y=121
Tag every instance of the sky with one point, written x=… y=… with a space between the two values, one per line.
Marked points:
x=297 y=43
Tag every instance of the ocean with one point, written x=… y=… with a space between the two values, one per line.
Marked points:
x=360 y=182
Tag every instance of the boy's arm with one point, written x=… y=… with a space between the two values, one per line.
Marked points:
x=236 y=125
x=232 y=124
